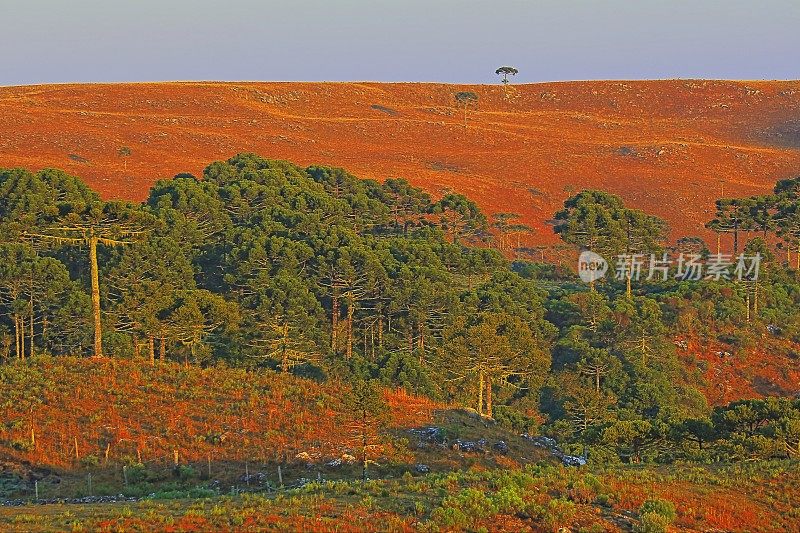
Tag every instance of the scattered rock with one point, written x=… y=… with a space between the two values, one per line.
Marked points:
x=573 y=460
x=421 y=468
x=84 y=500
x=470 y=446
x=501 y=447
x=431 y=434
x=256 y=478
x=552 y=446
x=544 y=442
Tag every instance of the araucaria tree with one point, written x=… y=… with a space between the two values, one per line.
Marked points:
x=368 y=417
x=787 y=217
x=495 y=348
x=600 y=222
x=505 y=72
x=110 y=224
x=466 y=99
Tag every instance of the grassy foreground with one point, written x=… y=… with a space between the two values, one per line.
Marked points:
x=233 y=429
x=542 y=498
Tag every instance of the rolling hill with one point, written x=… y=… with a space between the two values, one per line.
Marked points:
x=669 y=147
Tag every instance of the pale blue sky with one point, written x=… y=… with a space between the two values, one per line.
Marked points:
x=409 y=40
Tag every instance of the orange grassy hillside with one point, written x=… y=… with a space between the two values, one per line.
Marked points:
x=669 y=147
x=63 y=411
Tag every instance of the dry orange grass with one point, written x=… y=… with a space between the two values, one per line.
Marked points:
x=669 y=147
x=119 y=410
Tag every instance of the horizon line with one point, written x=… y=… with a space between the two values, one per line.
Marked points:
x=344 y=82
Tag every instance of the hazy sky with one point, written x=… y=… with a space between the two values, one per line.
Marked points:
x=401 y=40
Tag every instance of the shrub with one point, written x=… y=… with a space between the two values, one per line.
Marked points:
x=559 y=513
x=138 y=473
x=185 y=472
x=464 y=508
x=663 y=507
x=656 y=515
x=581 y=492
x=514 y=420
x=449 y=517
x=508 y=500
x=653 y=523
x=90 y=460
x=22 y=445
x=475 y=504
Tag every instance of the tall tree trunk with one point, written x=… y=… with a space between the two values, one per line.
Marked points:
x=489 y=396
x=32 y=317
x=755 y=299
x=480 y=392
x=421 y=342
x=162 y=355
x=597 y=380
x=643 y=348
x=22 y=336
x=151 y=347
x=335 y=321
x=350 y=306
x=16 y=337
x=372 y=341
x=380 y=330
x=748 y=305
x=284 y=352
x=628 y=290
x=95 y=275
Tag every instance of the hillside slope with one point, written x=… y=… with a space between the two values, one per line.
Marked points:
x=670 y=147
